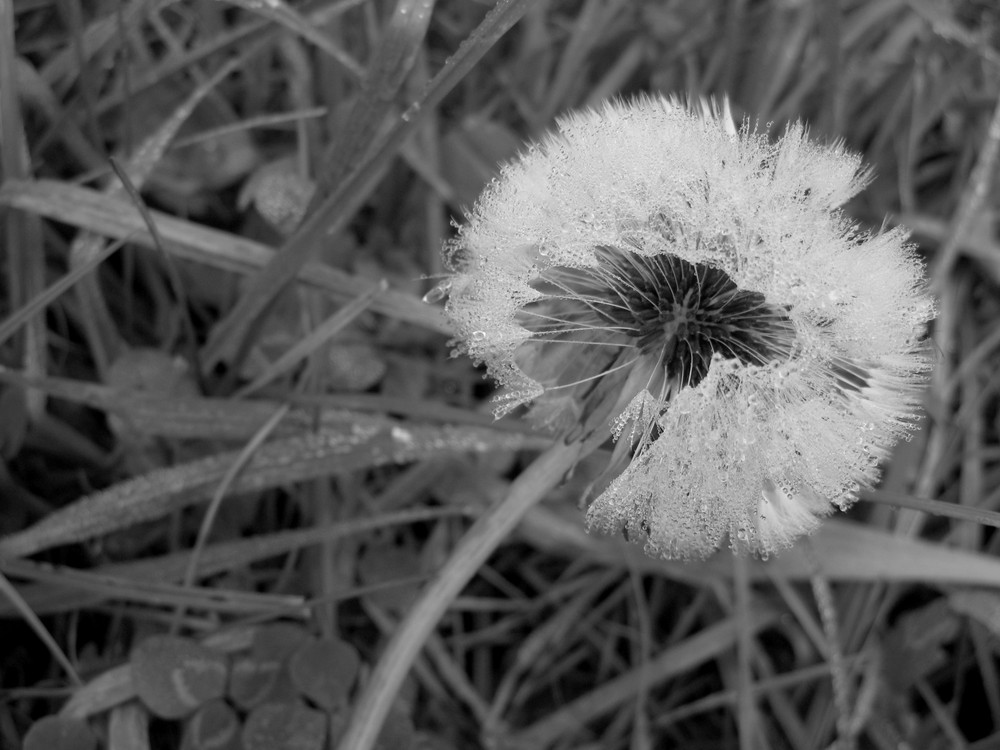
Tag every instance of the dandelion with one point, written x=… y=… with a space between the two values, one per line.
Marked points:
x=763 y=350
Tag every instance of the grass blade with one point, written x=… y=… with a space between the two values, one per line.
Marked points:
x=277 y=463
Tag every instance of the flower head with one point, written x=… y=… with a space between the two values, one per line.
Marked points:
x=764 y=350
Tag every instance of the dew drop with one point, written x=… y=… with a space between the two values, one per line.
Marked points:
x=479 y=335
x=402 y=436
x=411 y=112
x=438 y=293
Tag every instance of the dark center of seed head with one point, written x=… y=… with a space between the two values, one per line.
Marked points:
x=682 y=313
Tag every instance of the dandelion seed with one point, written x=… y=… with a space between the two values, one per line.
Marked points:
x=764 y=349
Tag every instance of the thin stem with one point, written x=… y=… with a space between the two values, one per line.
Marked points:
x=835 y=654
x=746 y=713
x=601 y=374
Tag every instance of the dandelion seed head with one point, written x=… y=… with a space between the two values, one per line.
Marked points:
x=765 y=350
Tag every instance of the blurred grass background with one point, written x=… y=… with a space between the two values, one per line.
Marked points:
x=224 y=404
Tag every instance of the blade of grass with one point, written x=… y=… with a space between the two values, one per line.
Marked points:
x=803 y=614
x=934 y=507
x=229 y=419
x=973 y=484
x=179 y=417
x=72 y=18
x=943 y=715
x=726 y=698
x=106 y=215
x=103 y=692
x=251 y=123
x=831 y=50
x=53 y=598
x=323 y=333
x=288 y=17
x=829 y=616
x=433 y=411
x=986 y=666
x=390 y=63
x=673 y=661
x=216 y=502
x=942 y=19
x=173 y=274
x=325 y=452
x=445 y=663
x=243 y=552
x=747 y=719
x=642 y=655
x=176 y=285
x=43 y=299
x=37 y=94
x=588 y=29
x=776 y=56
x=845 y=550
x=63 y=68
x=22 y=232
x=972 y=201
x=8 y=590
x=152 y=591
x=534 y=652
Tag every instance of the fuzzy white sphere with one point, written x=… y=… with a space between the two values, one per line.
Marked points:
x=767 y=351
